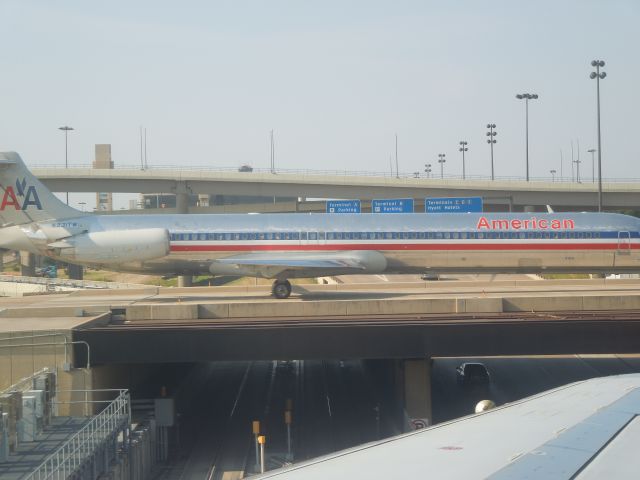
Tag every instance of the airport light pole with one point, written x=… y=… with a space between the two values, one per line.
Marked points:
x=463 y=148
x=427 y=169
x=578 y=162
x=593 y=162
x=66 y=129
x=491 y=141
x=553 y=175
x=441 y=161
x=526 y=97
x=598 y=75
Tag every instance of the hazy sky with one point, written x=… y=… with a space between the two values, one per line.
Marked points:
x=335 y=80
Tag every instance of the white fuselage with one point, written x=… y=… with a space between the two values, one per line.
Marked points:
x=411 y=243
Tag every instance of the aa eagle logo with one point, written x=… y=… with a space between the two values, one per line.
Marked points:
x=23 y=197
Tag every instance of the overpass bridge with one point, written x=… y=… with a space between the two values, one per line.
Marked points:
x=308 y=184
x=105 y=334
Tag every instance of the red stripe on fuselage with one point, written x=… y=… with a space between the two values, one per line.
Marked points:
x=404 y=247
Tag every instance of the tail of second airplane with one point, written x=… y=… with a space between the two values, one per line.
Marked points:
x=23 y=198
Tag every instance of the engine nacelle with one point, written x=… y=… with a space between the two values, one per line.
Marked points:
x=114 y=246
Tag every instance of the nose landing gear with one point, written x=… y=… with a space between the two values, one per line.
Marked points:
x=281 y=289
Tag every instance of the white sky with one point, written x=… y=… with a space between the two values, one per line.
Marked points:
x=334 y=79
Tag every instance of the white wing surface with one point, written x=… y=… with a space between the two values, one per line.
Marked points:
x=586 y=430
x=272 y=264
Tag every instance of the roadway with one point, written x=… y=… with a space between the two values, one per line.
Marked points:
x=336 y=405
x=517 y=377
x=333 y=408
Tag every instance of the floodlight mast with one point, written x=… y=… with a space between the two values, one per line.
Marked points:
x=598 y=75
x=526 y=97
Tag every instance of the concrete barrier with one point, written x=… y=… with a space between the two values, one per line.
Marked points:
x=611 y=302
x=542 y=304
x=479 y=305
x=173 y=311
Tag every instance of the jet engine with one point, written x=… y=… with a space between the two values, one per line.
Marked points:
x=113 y=246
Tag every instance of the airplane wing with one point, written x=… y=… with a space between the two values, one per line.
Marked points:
x=314 y=263
x=585 y=430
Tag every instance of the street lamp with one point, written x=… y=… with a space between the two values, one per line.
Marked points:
x=441 y=161
x=598 y=75
x=427 y=169
x=66 y=129
x=526 y=97
x=463 y=148
x=578 y=162
x=593 y=175
x=491 y=141
x=553 y=175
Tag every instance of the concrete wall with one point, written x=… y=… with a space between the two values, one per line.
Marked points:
x=18 y=361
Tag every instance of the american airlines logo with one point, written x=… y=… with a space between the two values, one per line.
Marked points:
x=532 y=223
x=21 y=198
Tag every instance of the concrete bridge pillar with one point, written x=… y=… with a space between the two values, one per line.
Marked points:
x=182 y=197
x=416 y=377
x=182 y=206
x=182 y=202
x=75 y=272
x=27 y=264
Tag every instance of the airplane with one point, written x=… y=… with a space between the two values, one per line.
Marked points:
x=285 y=246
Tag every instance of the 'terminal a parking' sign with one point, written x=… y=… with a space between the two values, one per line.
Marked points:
x=392 y=205
x=453 y=205
x=343 y=206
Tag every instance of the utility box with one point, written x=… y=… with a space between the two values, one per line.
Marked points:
x=12 y=405
x=39 y=396
x=165 y=412
x=4 y=436
x=47 y=383
x=27 y=426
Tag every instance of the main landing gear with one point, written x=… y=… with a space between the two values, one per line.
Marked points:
x=281 y=289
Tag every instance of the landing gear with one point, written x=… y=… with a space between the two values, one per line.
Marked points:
x=281 y=289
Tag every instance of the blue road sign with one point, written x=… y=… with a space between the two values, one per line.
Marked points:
x=343 y=206
x=453 y=205
x=392 y=205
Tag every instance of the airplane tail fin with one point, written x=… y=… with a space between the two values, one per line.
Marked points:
x=23 y=198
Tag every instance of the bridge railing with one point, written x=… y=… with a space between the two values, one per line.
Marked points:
x=99 y=433
x=584 y=180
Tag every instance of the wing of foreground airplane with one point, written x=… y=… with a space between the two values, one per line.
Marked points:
x=585 y=430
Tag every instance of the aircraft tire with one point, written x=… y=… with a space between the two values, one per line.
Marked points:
x=281 y=289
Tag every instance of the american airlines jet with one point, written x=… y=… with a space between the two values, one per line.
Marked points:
x=283 y=246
